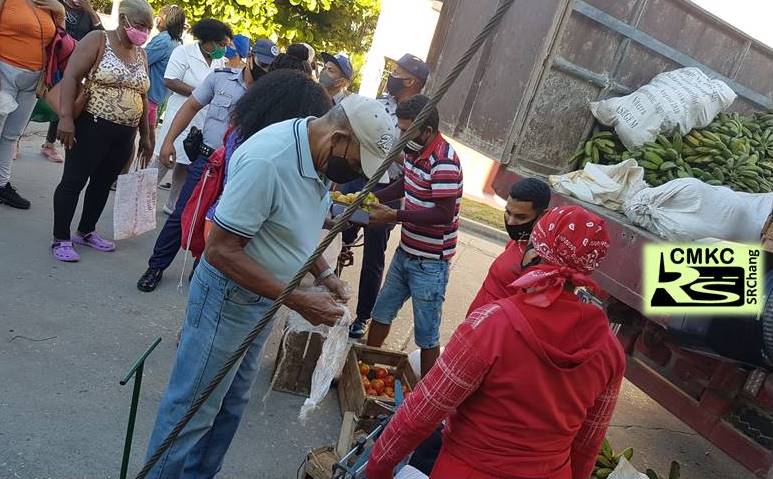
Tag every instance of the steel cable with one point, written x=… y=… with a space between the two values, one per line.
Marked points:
x=339 y=225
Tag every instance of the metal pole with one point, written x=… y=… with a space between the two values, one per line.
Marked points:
x=127 y=445
x=135 y=370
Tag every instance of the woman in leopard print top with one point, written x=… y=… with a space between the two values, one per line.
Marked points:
x=100 y=141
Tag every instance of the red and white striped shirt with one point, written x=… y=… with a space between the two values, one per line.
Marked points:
x=434 y=175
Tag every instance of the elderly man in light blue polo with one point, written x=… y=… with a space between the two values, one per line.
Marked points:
x=267 y=224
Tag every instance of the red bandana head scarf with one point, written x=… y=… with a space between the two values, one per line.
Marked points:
x=571 y=242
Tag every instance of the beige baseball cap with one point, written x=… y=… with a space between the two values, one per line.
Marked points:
x=374 y=129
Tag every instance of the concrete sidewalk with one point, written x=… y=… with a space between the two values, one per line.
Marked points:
x=68 y=332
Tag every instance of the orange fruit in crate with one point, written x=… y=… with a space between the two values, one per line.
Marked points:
x=389 y=392
x=371 y=392
x=364 y=369
x=378 y=385
x=389 y=381
x=381 y=373
x=365 y=382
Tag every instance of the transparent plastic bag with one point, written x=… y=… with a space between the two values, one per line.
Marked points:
x=330 y=363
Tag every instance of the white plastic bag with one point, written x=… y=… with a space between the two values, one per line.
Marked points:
x=330 y=362
x=688 y=209
x=685 y=99
x=625 y=470
x=134 y=211
x=605 y=185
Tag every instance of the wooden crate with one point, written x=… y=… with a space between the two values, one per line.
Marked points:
x=351 y=395
x=295 y=362
x=320 y=461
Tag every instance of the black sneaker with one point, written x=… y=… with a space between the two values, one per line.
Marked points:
x=10 y=197
x=357 y=329
x=150 y=279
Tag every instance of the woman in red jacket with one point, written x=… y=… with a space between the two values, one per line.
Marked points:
x=527 y=384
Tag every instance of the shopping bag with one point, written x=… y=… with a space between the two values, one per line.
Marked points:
x=134 y=211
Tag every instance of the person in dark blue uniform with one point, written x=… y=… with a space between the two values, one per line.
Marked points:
x=220 y=91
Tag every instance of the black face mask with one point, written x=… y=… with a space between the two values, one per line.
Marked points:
x=256 y=71
x=338 y=169
x=395 y=85
x=520 y=232
x=414 y=147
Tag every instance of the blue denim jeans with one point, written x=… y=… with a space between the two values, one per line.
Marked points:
x=423 y=280
x=170 y=238
x=220 y=313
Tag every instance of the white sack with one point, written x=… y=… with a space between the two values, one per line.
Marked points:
x=625 y=470
x=688 y=209
x=685 y=99
x=606 y=185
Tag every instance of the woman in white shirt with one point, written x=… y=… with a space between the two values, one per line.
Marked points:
x=188 y=66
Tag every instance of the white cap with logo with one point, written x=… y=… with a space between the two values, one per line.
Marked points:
x=374 y=129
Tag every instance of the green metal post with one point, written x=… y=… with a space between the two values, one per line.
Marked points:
x=127 y=445
x=136 y=370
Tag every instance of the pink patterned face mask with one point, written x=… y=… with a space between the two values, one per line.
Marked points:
x=137 y=36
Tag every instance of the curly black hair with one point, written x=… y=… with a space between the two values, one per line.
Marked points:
x=298 y=50
x=410 y=108
x=286 y=61
x=211 y=30
x=278 y=96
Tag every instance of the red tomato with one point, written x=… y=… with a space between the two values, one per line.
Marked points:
x=364 y=368
x=389 y=392
x=381 y=373
x=378 y=385
x=389 y=381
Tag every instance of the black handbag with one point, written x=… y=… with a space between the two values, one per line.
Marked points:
x=192 y=143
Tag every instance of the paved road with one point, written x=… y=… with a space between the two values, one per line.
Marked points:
x=69 y=331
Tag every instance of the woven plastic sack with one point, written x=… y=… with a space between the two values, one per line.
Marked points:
x=681 y=100
x=134 y=211
x=688 y=209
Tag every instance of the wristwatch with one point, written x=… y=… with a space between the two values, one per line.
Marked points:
x=324 y=275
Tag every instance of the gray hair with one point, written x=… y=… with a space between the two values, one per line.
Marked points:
x=337 y=116
x=135 y=8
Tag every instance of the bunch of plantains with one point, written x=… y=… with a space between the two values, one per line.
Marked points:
x=734 y=151
x=607 y=461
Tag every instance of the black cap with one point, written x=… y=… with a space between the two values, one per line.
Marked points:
x=415 y=66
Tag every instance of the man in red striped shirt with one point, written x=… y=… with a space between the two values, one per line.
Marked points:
x=432 y=188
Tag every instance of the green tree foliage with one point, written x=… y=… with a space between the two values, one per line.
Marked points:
x=327 y=25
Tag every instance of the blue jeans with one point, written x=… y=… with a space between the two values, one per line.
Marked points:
x=220 y=313
x=375 y=239
x=423 y=280
x=170 y=237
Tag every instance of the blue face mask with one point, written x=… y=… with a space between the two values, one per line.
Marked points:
x=231 y=52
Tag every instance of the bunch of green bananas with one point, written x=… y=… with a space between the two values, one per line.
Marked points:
x=674 y=473
x=705 y=156
x=734 y=151
x=607 y=460
x=602 y=148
